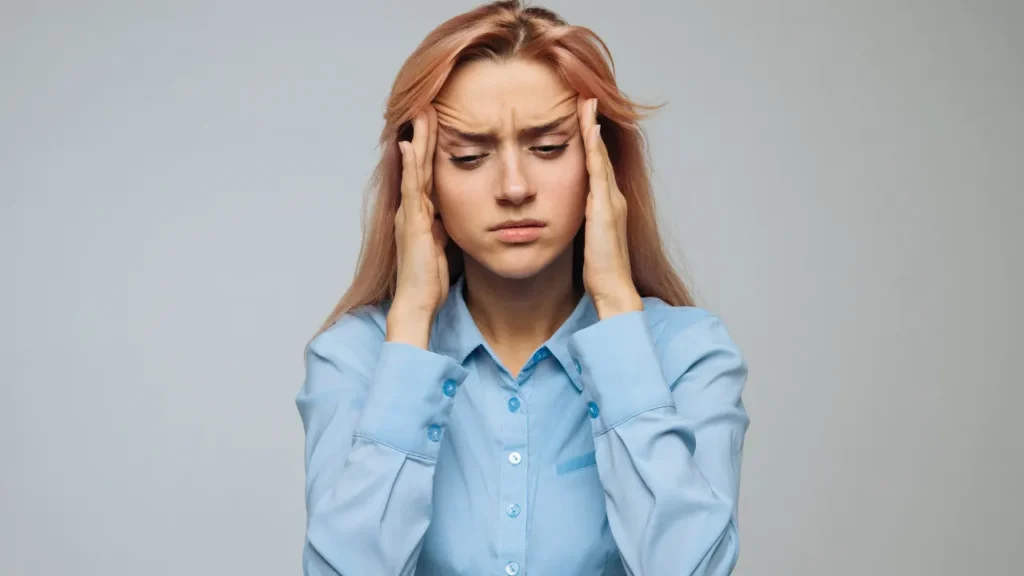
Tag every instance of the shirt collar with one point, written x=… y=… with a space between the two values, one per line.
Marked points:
x=456 y=335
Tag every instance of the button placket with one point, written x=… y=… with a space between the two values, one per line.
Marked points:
x=511 y=545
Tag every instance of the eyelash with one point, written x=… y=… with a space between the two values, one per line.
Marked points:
x=547 y=152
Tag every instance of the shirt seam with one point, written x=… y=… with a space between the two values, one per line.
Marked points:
x=393 y=447
x=631 y=416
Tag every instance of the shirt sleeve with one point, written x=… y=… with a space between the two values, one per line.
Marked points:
x=668 y=424
x=373 y=413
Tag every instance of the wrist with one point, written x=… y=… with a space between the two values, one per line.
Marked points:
x=622 y=303
x=408 y=327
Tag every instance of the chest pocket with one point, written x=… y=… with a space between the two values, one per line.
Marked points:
x=576 y=463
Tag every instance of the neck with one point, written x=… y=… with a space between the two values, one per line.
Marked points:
x=520 y=314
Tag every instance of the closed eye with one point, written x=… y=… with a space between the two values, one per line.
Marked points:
x=467 y=159
x=549 y=151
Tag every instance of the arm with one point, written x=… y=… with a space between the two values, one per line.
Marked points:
x=368 y=407
x=668 y=435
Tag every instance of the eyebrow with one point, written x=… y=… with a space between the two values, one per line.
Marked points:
x=526 y=133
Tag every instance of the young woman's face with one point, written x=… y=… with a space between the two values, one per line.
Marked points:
x=509 y=166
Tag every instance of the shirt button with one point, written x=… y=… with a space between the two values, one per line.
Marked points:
x=513 y=510
x=514 y=458
x=513 y=404
x=434 y=433
x=450 y=388
x=593 y=410
x=576 y=363
x=512 y=568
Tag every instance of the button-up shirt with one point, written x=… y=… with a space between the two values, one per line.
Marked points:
x=615 y=450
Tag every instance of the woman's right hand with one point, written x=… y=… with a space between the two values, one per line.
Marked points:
x=422 y=282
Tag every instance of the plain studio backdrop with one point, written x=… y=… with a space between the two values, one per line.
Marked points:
x=182 y=186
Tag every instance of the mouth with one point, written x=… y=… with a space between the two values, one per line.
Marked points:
x=518 y=231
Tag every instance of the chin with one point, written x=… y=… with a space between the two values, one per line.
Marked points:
x=517 y=264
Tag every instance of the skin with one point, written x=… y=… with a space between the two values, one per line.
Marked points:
x=536 y=154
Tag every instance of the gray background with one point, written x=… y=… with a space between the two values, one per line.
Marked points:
x=181 y=195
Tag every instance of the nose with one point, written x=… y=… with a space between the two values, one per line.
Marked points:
x=515 y=188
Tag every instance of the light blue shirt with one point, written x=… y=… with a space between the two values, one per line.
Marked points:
x=616 y=450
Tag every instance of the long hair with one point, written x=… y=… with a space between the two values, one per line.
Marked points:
x=501 y=31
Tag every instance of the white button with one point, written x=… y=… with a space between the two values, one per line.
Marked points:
x=512 y=568
x=515 y=458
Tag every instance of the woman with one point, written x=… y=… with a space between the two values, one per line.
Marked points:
x=516 y=381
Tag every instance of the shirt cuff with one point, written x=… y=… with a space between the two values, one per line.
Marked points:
x=620 y=370
x=410 y=398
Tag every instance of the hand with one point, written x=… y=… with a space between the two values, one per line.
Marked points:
x=422 y=282
x=606 y=271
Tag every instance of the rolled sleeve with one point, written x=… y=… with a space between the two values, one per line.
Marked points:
x=407 y=407
x=620 y=371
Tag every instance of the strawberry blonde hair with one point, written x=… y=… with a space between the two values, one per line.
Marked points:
x=502 y=31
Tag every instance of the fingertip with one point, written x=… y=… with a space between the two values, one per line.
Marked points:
x=581 y=112
x=418 y=125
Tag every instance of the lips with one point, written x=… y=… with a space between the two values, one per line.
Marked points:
x=519 y=224
x=518 y=231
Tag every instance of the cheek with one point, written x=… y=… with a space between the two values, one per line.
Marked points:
x=565 y=184
x=458 y=198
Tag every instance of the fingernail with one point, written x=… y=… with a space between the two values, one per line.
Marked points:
x=401 y=148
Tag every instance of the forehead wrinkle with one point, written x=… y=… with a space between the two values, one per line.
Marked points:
x=449 y=115
x=456 y=123
x=570 y=97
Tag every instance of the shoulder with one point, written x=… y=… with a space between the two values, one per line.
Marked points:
x=687 y=336
x=354 y=340
x=668 y=322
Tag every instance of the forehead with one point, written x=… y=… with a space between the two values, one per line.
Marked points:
x=484 y=94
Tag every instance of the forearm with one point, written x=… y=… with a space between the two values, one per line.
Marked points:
x=370 y=517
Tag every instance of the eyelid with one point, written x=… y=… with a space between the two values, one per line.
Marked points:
x=553 y=148
x=467 y=159
x=560 y=145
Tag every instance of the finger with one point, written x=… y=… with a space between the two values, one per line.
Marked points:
x=586 y=120
x=584 y=117
x=609 y=169
x=410 y=176
x=428 y=158
x=596 y=167
x=419 y=137
x=601 y=149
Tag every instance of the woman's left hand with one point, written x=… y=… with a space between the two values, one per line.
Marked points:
x=606 y=271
